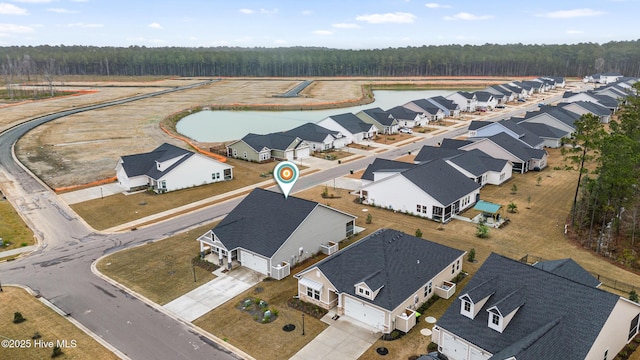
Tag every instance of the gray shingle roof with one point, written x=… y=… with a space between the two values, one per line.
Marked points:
x=567 y=117
x=277 y=141
x=477 y=162
x=398 y=262
x=483 y=95
x=478 y=124
x=352 y=123
x=448 y=143
x=569 y=269
x=516 y=147
x=591 y=107
x=428 y=153
x=380 y=164
x=544 y=130
x=448 y=104
x=263 y=221
x=311 y=132
x=383 y=117
x=551 y=324
x=441 y=181
x=427 y=106
x=402 y=113
x=145 y=163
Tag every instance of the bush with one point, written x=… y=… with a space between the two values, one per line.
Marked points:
x=18 y=318
x=369 y=219
x=633 y=296
x=482 y=231
x=419 y=233
x=471 y=255
x=57 y=351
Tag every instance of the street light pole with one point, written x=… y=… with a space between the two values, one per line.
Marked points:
x=193 y=267
x=302 y=324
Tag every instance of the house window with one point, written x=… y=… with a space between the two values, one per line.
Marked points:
x=312 y=293
x=467 y=306
x=428 y=289
x=215 y=176
x=264 y=156
x=416 y=298
x=606 y=354
x=633 y=329
x=350 y=227
x=437 y=211
x=453 y=268
x=495 y=319
x=244 y=154
x=458 y=265
x=502 y=176
x=162 y=185
x=235 y=152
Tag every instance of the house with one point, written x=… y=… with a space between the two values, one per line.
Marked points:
x=408 y=118
x=426 y=108
x=487 y=100
x=560 y=81
x=317 y=137
x=529 y=89
x=553 y=116
x=503 y=95
x=512 y=310
x=538 y=87
x=612 y=90
x=382 y=120
x=269 y=233
x=260 y=148
x=169 y=168
x=350 y=126
x=450 y=108
x=603 y=78
x=381 y=168
x=382 y=279
x=482 y=129
x=474 y=164
x=467 y=101
x=551 y=137
x=435 y=190
x=502 y=146
x=586 y=107
x=604 y=100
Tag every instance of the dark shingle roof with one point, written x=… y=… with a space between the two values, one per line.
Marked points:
x=384 y=165
x=524 y=135
x=311 y=132
x=454 y=143
x=428 y=153
x=567 y=117
x=402 y=113
x=448 y=104
x=352 y=123
x=484 y=95
x=569 y=269
x=427 y=106
x=477 y=124
x=516 y=147
x=263 y=221
x=277 y=141
x=399 y=263
x=477 y=162
x=544 y=130
x=590 y=107
x=551 y=323
x=383 y=117
x=441 y=181
x=145 y=163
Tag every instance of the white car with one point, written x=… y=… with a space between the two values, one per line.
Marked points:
x=406 y=131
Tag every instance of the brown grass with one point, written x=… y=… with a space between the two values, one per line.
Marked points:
x=160 y=271
x=46 y=322
x=392 y=139
x=12 y=228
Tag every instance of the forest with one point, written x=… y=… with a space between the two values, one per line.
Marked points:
x=575 y=60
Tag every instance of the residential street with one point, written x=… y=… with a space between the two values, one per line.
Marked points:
x=60 y=270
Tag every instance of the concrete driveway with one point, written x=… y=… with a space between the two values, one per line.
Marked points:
x=216 y=292
x=343 y=339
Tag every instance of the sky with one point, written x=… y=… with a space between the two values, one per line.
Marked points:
x=341 y=24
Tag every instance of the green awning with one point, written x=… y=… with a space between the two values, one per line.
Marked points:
x=487 y=207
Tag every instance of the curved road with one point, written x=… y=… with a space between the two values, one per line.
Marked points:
x=60 y=271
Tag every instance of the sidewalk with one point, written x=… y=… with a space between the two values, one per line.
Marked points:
x=12 y=252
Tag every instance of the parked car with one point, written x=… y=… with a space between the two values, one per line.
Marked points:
x=406 y=131
x=500 y=106
x=522 y=100
x=433 y=356
x=541 y=104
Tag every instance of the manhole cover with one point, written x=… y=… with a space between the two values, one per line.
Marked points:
x=289 y=327
x=382 y=350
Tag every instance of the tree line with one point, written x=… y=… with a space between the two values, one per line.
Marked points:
x=445 y=60
x=607 y=196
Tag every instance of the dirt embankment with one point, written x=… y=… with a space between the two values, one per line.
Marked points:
x=85 y=147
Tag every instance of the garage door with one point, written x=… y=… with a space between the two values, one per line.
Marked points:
x=363 y=312
x=454 y=349
x=254 y=262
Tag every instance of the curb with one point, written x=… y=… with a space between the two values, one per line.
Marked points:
x=75 y=322
x=168 y=313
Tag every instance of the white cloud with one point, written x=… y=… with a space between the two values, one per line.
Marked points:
x=467 y=16
x=62 y=11
x=575 y=32
x=567 y=14
x=436 y=6
x=345 y=26
x=155 y=25
x=10 y=9
x=84 y=25
x=323 y=32
x=397 y=18
x=306 y=12
x=269 y=12
x=246 y=11
x=10 y=29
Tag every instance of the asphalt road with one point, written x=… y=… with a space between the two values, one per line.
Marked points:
x=60 y=270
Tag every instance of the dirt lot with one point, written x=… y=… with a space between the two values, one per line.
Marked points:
x=85 y=147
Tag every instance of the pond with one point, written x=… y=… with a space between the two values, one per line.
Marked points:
x=220 y=126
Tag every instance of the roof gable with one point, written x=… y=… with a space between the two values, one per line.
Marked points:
x=351 y=123
x=147 y=163
x=380 y=164
x=441 y=181
x=569 y=269
x=312 y=132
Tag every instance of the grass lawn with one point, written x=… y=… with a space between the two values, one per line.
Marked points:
x=124 y=208
x=160 y=271
x=50 y=325
x=392 y=139
x=13 y=229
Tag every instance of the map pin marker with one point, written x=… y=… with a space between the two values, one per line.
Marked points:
x=286 y=174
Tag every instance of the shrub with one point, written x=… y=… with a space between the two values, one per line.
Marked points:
x=471 y=255
x=369 y=218
x=18 y=318
x=633 y=296
x=514 y=189
x=482 y=231
x=57 y=351
x=512 y=207
x=419 y=233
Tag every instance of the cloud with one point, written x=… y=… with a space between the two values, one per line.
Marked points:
x=396 y=18
x=246 y=11
x=345 y=26
x=306 y=12
x=269 y=12
x=323 y=32
x=467 y=16
x=567 y=14
x=62 y=11
x=436 y=6
x=575 y=32
x=10 y=9
x=155 y=25
x=84 y=25
x=10 y=29
x=34 y=1
x=280 y=42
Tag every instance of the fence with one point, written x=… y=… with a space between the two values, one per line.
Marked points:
x=606 y=281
